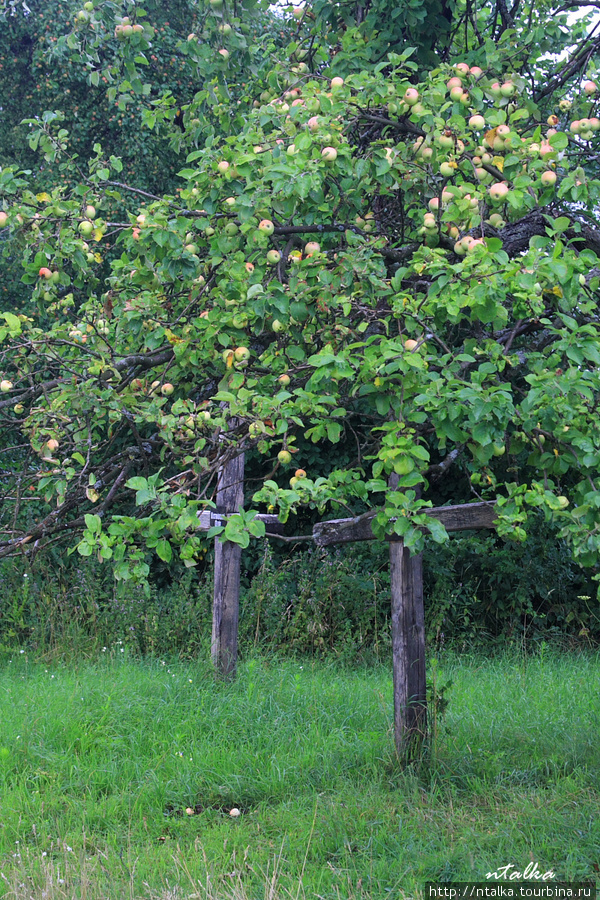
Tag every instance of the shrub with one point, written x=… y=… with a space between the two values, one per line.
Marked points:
x=315 y=601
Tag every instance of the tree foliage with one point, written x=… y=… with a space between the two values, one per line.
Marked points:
x=383 y=235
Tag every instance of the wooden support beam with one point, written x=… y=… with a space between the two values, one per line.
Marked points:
x=226 y=599
x=454 y=518
x=408 y=651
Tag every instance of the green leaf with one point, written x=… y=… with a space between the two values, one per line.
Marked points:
x=13 y=322
x=136 y=483
x=437 y=530
x=334 y=431
x=164 y=550
x=93 y=523
x=559 y=140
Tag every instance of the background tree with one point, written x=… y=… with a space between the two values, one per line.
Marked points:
x=400 y=258
x=59 y=57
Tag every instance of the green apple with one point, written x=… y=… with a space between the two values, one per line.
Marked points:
x=265 y=226
x=496 y=220
x=329 y=154
x=242 y=354
x=284 y=457
x=477 y=123
x=498 y=191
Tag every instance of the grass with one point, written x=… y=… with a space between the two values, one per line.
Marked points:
x=100 y=761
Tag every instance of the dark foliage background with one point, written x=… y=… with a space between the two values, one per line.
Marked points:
x=479 y=592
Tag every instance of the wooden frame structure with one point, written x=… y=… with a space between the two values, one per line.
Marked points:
x=406 y=576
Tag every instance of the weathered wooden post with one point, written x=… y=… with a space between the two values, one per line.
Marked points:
x=408 y=649
x=408 y=610
x=228 y=556
x=408 y=646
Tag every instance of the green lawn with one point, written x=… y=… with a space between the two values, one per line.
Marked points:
x=99 y=762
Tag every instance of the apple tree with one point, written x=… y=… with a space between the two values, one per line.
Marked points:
x=400 y=256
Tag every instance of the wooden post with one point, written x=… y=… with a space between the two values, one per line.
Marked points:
x=408 y=611
x=408 y=650
x=226 y=599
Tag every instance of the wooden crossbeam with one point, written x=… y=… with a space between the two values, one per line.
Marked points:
x=455 y=518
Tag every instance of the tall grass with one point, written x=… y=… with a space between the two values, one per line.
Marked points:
x=117 y=778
